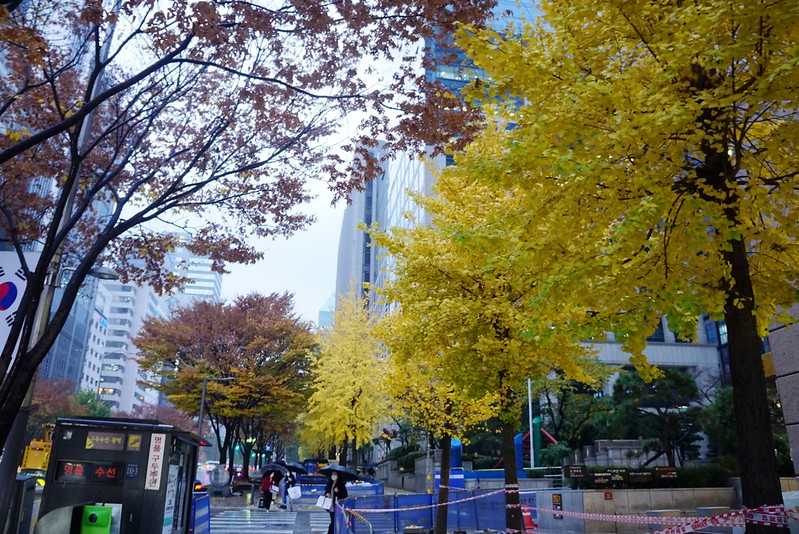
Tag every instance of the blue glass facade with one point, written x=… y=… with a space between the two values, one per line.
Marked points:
x=66 y=357
x=451 y=67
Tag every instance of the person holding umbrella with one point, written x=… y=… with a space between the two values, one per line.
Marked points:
x=270 y=473
x=266 y=490
x=336 y=488
x=290 y=482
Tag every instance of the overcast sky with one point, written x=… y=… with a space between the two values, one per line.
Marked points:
x=304 y=264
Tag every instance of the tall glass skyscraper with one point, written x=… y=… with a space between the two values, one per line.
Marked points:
x=385 y=200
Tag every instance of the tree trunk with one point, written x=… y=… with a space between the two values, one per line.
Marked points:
x=755 y=448
x=231 y=461
x=354 y=455
x=14 y=451
x=443 y=487
x=343 y=452
x=245 y=461
x=513 y=510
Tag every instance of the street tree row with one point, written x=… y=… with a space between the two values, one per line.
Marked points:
x=637 y=159
x=261 y=352
x=123 y=122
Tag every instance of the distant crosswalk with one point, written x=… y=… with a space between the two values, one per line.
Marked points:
x=262 y=522
x=319 y=521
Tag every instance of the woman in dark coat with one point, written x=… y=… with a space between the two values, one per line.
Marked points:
x=266 y=490
x=335 y=489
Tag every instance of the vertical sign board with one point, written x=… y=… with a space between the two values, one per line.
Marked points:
x=557 y=505
x=171 y=495
x=12 y=286
x=155 y=460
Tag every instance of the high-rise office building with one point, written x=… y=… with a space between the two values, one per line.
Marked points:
x=204 y=284
x=95 y=346
x=65 y=360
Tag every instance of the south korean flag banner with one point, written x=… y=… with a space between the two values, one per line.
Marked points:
x=12 y=286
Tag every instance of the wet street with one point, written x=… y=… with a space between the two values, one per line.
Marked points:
x=249 y=520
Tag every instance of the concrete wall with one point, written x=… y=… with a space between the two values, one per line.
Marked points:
x=497 y=483
x=687 y=500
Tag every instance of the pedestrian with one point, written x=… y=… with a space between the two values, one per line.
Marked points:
x=335 y=489
x=266 y=490
x=281 y=494
x=290 y=483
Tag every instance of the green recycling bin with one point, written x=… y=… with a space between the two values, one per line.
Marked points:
x=96 y=520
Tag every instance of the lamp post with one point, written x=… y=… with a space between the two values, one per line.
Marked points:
x=530 y=420
x=202 y=399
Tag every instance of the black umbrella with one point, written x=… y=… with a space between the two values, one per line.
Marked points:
x=346 y=474
x=294 y=466
x=273 y=468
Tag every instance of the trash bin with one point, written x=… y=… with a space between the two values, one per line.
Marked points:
x=118 y=476
x=96 y=520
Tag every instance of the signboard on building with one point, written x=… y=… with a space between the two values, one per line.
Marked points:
x=557 y=505
x=574 y=471
x=667 y=475
x=105 y=441
x=640 y=478
x=618 y=476
x=155 y=460
x=602 y=479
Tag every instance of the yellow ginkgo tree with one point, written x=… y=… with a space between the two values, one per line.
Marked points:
x=470 y=297
x=663 y=138
x=419 y=392
x=348 y=398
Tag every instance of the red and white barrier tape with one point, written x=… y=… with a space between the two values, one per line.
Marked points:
x=764 y=515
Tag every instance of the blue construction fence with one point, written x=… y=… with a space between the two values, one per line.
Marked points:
x=313 y=491
x=484 y=510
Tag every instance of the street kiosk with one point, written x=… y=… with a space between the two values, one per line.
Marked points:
x=118 y=476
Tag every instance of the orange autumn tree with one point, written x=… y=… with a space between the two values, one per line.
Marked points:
x=121 y=118
x=258 y=341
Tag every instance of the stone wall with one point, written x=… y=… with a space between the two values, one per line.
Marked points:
x=640 y=501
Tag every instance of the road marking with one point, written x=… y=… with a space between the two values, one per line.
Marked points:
x=260 y=521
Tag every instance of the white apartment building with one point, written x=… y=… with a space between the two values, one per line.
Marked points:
x=129 y=306
x=95 y=346
x=121 y=378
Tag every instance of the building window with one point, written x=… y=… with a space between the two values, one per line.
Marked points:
x=658 y=335
x=722 y=333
